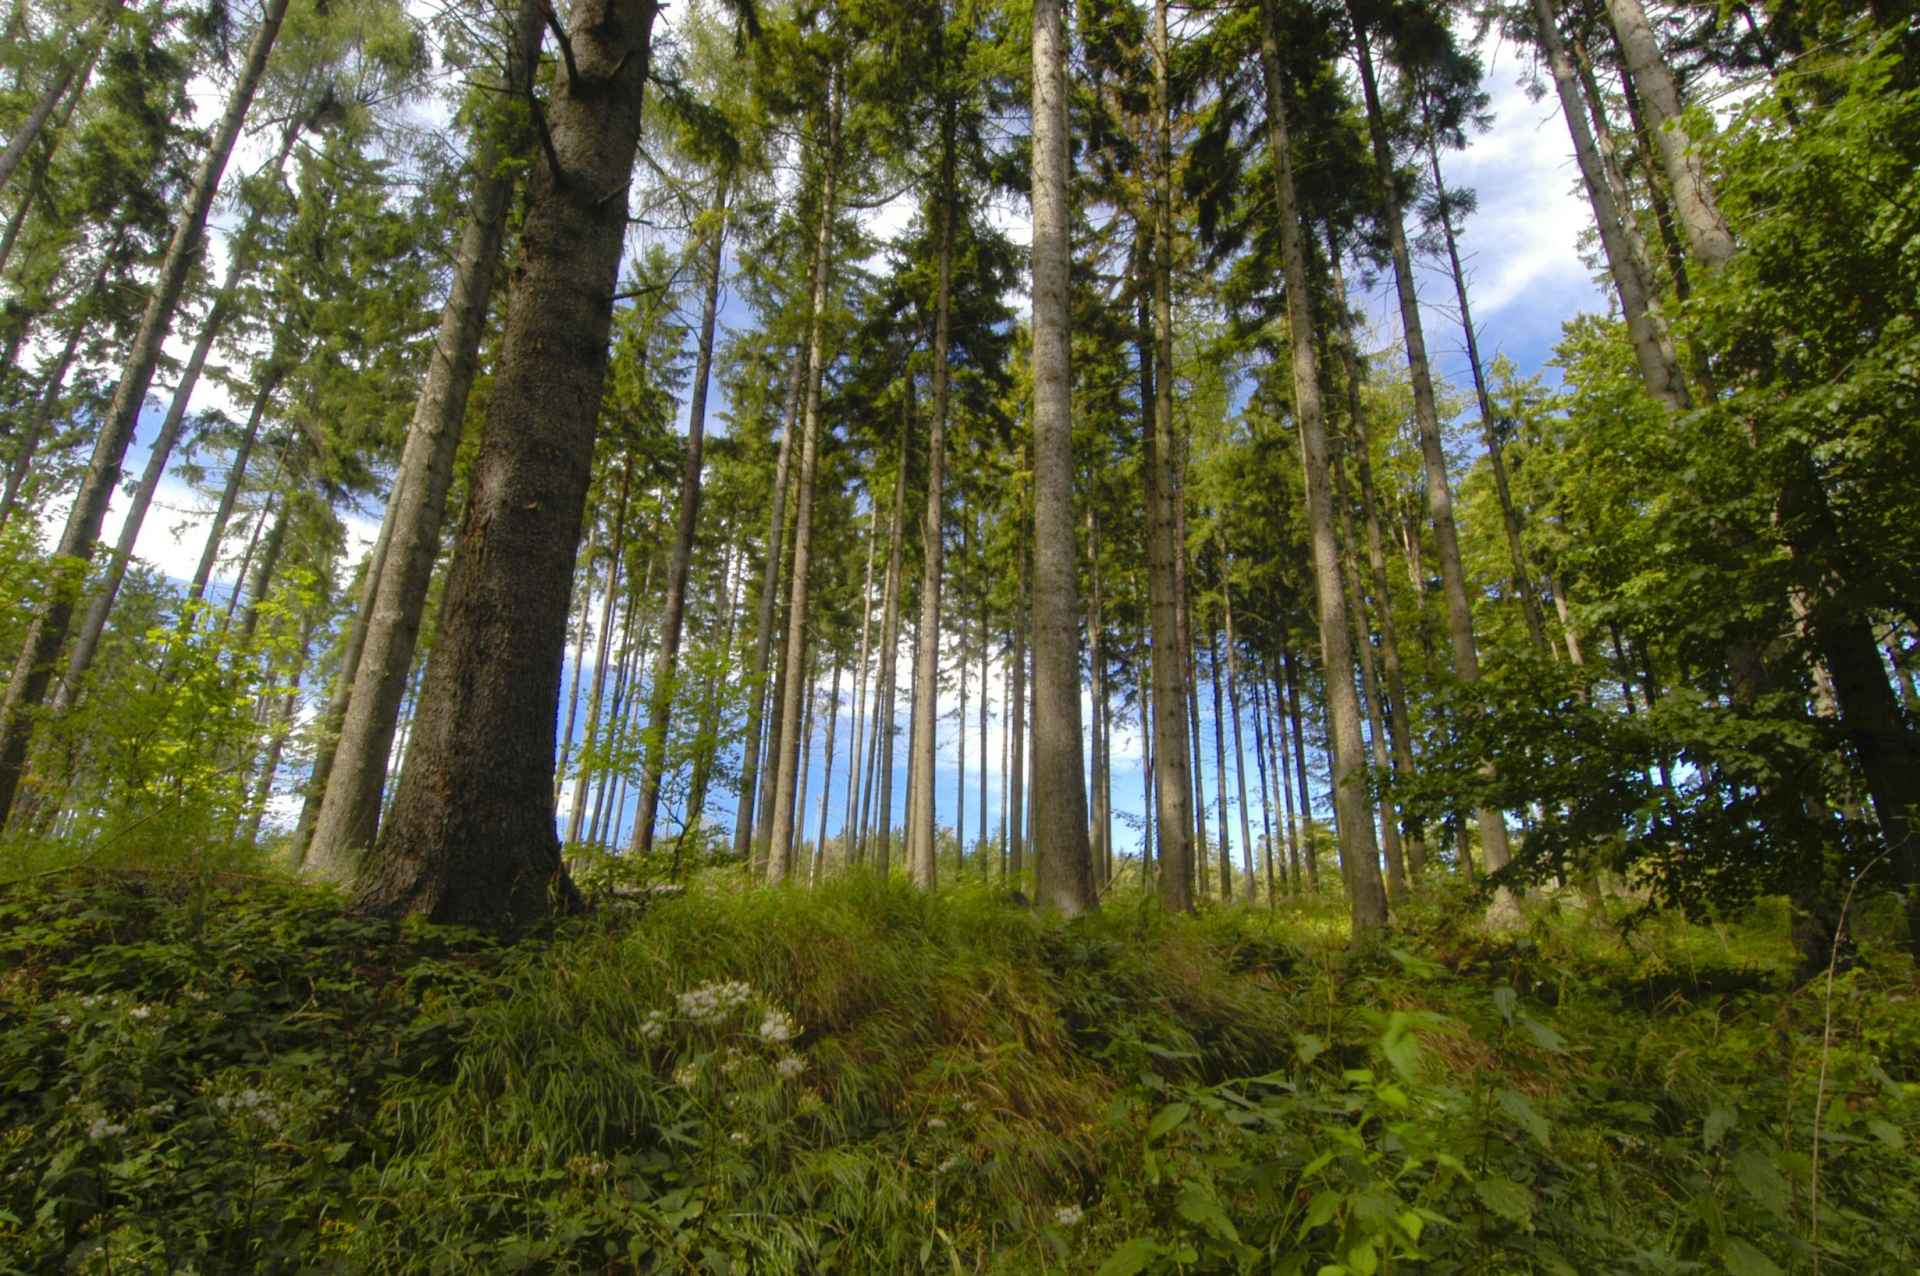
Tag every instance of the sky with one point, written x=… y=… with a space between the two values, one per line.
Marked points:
x=1526 y=278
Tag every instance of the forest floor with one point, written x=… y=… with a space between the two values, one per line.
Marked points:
x=226 y=1073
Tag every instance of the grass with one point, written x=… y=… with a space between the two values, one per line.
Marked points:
x=226 y=1073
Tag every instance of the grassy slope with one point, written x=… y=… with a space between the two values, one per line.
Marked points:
x=231 y=1075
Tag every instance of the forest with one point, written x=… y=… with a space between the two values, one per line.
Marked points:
x=968 y=636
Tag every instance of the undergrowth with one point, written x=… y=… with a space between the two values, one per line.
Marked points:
x=230 y=1074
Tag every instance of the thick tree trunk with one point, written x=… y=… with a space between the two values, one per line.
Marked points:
x=47 y=633
x=1466 y=660
x=1063 y=861
x=348 y=818
x=673 y=610
x=743 y=822
x=1359 y=854
x=471 y=837
x=1707 y=234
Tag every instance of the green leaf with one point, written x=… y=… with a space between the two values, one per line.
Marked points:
x=1742 y=1259
x=1719 y=1121
x=1363 y=1260
x=1543 y=1037
x=1400 y=1046
x=1198 y=1207
x=1506 y=1198
x=1131 y=1257
x=1504 y=999
x=1520 y=1111
x=1167 y=1118
x=1756 y=1172
x=1320 y=1210
x=1887 y=1132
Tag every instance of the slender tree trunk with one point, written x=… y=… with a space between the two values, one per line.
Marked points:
x=1369 y=686
x=1466 y=660
x=849 y=822
x=51 y=385
x=1308 y=852
x=1006 y=754
x=1489 y=426
x=673 y=610
x=1017 y=797
x=1266 y=792
x=1063 y=861
x=986 y=839
x=960 y=742
x=1359 y=855
x=602 y=648
x=1220 y=774
x=743 y=822
x=471 y=837
x=780 y=850
x=47 y=632
x=795 y=813
x=1149 y=814
x=1102 y=835
x=885 y=702
x=1239 y=753
x=98 y=33
x=826 y=777
x=230 y=494
x=1707 y=234
x=1652 y=347
x=616 y=715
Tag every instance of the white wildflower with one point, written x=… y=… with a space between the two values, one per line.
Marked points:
x=686 y=1076
x=104 y=1129
x=654 y=1026
x=790 y=1066
x=712 y=1002
x=936 y=1123
x=776 y=1028
x=139 y=1012
x=1068 y=1216
x=951 y=1164
x=738 y=1137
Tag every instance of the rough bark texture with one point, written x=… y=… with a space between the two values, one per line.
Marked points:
x=673 y=610
x=47 y=632
x=1063 y=859
x=349 y=814
x=1359 y=854
x=471 y=836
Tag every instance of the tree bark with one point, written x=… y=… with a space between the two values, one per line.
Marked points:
x=348 y=819
x=1220 y=773
x=471 y=836
x=886 y=703
x=1707 y=236
x=826 y=778
x=1063 y=861
x=1466 y=660
x=47 y=632
x=780 y=848
x=850 y=821
x=743 y=821
x=602 y=648
x=673 y=610
x=1239 y=753
x=1653 y=349
x=1359 y=854
x=99 y=31
x=1308 y=852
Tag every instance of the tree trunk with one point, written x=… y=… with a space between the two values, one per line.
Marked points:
x=1267 y=802
x=1149 y=816
x=1017 y=725
x=780 y=848
x=886 y=699
x=99 y=31
x=1652 y=347
x=1359 y=855
x=960 y=742
x=471 y=837
x=849 y=821
x=602 y=648
x=1220 y=774
x=348 y=819
x=1239 y=753
x=743 y=821
x=826 y=777
x=47 y=632
x=1308 y=852
x=673 y=610
x=1063 y=861
x=1707 y=234
x=1489 y=427
x=923 y=746
x=1101 y=841
x=1466 y=660
x=1369 y=686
